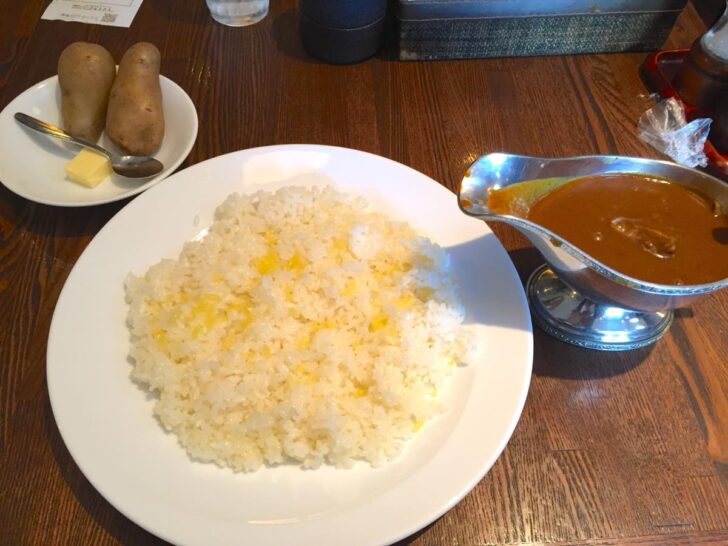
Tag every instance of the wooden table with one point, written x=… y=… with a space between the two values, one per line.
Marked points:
x=627 y=448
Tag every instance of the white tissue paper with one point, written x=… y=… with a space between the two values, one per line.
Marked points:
x=664 y=127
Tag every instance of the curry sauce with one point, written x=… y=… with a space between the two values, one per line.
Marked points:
x=642 y=226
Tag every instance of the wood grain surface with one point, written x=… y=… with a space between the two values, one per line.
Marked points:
x=628 y=448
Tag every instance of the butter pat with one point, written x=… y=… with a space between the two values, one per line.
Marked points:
x=88 y=168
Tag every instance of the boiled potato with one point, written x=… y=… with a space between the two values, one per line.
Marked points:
x=135 y=121
x=85 y=75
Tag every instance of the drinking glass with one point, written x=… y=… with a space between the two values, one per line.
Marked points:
x=237 y=13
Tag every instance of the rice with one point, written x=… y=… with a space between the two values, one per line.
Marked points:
x=301 y=329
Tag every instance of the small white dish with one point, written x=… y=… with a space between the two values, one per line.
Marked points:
x=32 y=164
x=107 y=423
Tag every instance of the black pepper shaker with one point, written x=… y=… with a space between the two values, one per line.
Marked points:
x=342 y=31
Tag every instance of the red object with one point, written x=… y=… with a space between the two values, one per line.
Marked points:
x=659 y=71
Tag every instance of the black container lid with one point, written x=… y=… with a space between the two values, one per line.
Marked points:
x=343 y=13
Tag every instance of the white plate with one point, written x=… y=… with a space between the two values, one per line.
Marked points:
x=32 y=165
x=107 y=423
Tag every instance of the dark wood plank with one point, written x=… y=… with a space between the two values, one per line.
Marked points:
x=703 y=539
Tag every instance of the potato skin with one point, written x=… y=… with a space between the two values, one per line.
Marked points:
x=85 y=75
x=135 y=120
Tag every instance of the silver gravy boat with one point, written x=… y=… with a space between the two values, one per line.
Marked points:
x=575 y=297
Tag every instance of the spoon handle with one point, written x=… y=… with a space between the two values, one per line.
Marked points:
x=52 y=130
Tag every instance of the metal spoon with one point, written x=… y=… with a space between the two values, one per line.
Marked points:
x=130 y=166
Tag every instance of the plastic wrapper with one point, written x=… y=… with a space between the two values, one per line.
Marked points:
x=665 y=128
